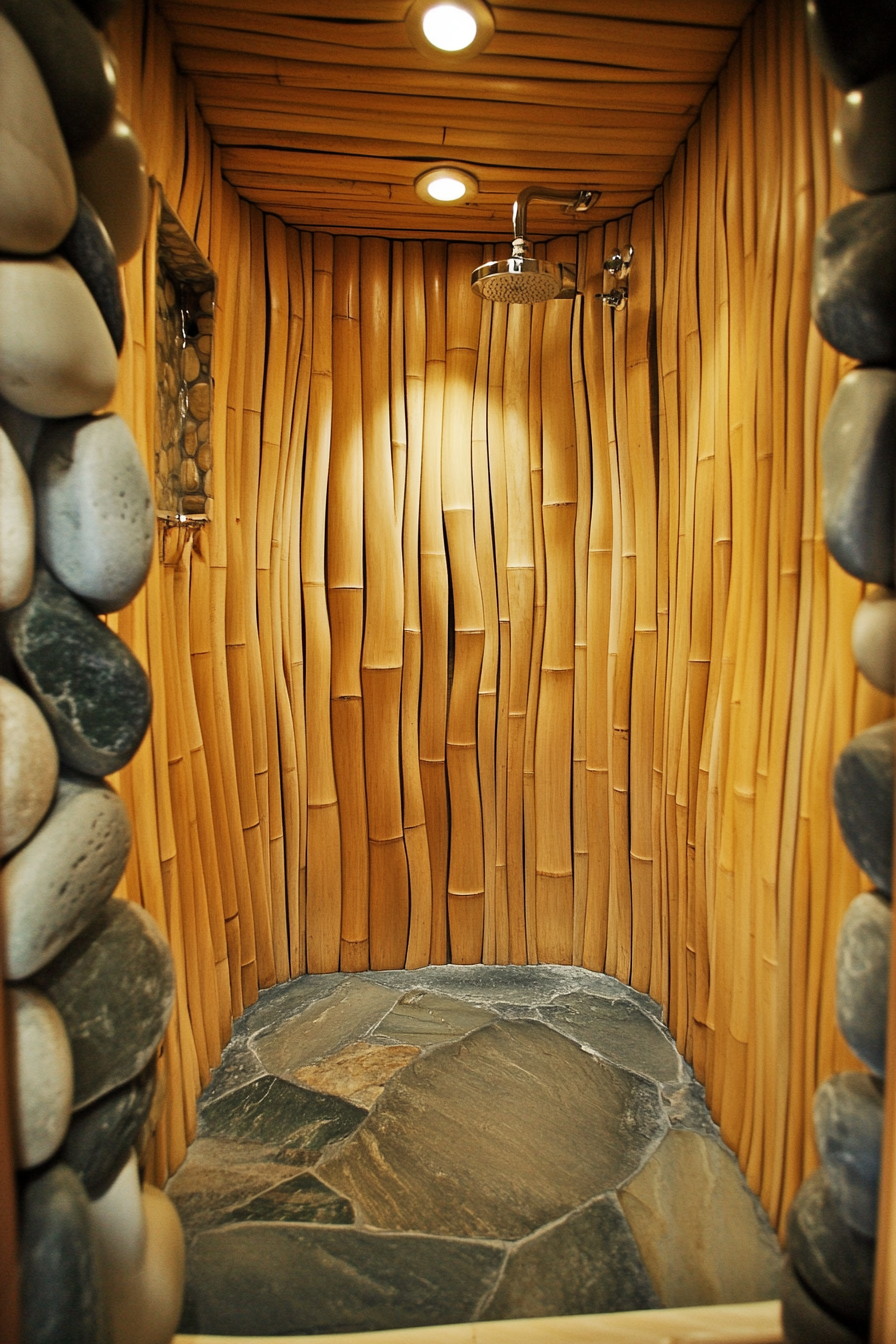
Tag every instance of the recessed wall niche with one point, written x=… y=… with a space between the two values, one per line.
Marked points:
x=185 y=323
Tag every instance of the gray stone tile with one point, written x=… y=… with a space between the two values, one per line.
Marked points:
x=352 y=1010
x=290 y=1279
x=276 y=1113
x=300 y=1199
x=589 y=1262
x=686 y=1107
x=496 y=1135
x=358 y=1072
x=702 y=1234
x=282 y=1001
x=218 y=1175
x=618 y=1031
x=239 y=1065
x=419 y=1018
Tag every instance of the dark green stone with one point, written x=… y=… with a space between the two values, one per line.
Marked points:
x=217 y=1175
x=59 y=1282
x=114 y=988
x=276 y=1113
x=805 y=1320
x=496 y=1135
x=288 y=1279
x=100 y=1137
x=86 y=246
x=617 y=1030
x=832 y=1260
x=89 y=685
x=863 y=798
x=301 y=1199
x=587 y=1263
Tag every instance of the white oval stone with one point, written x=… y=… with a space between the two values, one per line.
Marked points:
x=119 y=1225
x=56 y=354
x=16 y=528
x=874 y=639
x=29 y=766
x=113 y=178
x=43 y=1076
x=55 y=885
x=95 y=516
x=38 y=200
x=143 y=1300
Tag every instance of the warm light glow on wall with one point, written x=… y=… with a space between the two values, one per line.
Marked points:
x=448 y=32
x=446 y=185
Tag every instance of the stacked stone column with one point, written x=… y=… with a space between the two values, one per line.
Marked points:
x=89 y=979
x=831 y=1227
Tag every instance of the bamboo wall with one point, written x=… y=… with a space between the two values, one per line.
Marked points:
x=513 y=637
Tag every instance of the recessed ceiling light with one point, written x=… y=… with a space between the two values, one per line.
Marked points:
x=446 y=185
x=448 y=31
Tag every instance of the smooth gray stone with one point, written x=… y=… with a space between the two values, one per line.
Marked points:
x=100 y=1137
x=78 y=74
x=858 y=445
x=95 y=515
x=854 y=280
x=88 y=247
x=834 y=1262
x=496 y=1135
x=59 y=1281
x=853 y=42
x=29 y=767
x=874 y=638
x=863 y=971
x=848 y=1113
x=805 y=1320
x=863 y=797
x=37 y=189
x=587 y=1263
x=114 y=986
x=113 y=177
x=56 y=354
x=42 y=1075
x=863 y=139
x=90 y=686
x=290 y=1278
x=56 y=884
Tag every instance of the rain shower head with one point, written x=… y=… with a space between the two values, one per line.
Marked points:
x=522 y=278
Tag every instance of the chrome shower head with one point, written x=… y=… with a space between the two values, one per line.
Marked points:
x=522 y=278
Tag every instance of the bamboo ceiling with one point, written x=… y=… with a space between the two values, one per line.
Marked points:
x=325 y=112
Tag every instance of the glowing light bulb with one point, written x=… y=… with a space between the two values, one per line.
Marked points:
x=449 y=27
x=446 y=189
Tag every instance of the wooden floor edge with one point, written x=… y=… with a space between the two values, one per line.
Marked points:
x=739 y=1323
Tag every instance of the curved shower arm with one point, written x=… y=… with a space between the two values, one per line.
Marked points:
x=578 y=201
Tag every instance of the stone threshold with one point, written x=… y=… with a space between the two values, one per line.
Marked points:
x=740 y=1323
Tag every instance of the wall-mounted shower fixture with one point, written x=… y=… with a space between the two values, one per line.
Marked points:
x=618 y=265
x=522 y=278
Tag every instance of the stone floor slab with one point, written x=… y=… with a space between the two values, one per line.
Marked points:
x=617 y=1030
x=344 y=1016
x=300 y=1199
x=218 y=1175
x=287 y=1279
x=587 y=1263
x=702 y=1234
x=273 y=1112
x=359 y=1072
x=419 y=1018
x=497 y=1134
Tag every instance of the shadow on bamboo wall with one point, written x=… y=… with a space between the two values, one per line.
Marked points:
x=513 y=637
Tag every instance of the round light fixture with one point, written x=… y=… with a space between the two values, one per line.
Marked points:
x=449 y=31
x=446 y=185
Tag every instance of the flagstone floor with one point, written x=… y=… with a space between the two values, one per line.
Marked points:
x=408 y=1148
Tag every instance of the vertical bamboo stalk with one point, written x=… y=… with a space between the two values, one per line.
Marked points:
x=434 y=602
x=466 y=877
x=580 y=682
x=323 y=912
x=345 y=590
x=384 y=626
x=415 y=830
x=539 y=612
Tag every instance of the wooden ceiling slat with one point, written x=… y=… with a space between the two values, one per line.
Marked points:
x=650 y=62
x=325 y=113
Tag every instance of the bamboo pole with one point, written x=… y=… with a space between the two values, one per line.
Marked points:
x=539 y=613
x=324 y=866
x=384 y=626
x=345 y=592
x=415 y=831
x=466 y=877
x=434 y=602
x=580 y=682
